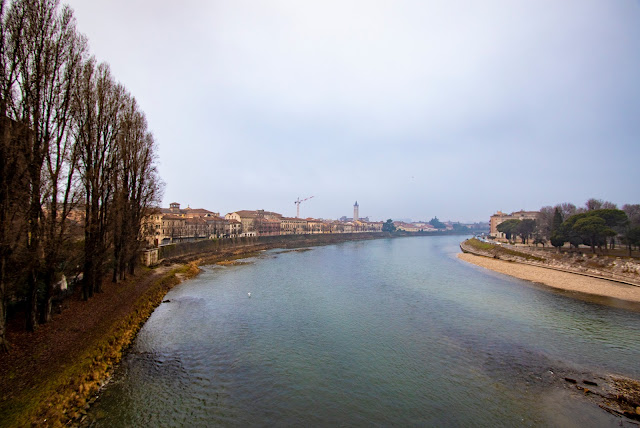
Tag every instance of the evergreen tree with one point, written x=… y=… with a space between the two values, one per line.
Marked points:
x=557 y=237
x=388 y=226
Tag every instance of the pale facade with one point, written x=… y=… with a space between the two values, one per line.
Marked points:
x=293 y=226
x=233 y=228
x=500 y=217
x=257 y=222
x=245 y=218
x=317 y=226
x=173 y=224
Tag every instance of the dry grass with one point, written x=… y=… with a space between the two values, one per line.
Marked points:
x=498 y=251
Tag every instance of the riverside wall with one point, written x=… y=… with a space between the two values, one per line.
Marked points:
x=190 y=251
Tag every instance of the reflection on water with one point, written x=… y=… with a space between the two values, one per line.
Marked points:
x=387 y=332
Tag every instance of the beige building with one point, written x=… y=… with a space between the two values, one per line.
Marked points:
x=244 y=217
x=255 y=222
x=233 y=228
x=406 y=227
x=217 y=226
x=315 y=226
x=173 y=224
x=174 y=228
x=293 y=226
x=152 y=228
x=336 y=227
x=500 y=217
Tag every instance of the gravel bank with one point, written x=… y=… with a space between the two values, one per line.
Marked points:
x=559 y=280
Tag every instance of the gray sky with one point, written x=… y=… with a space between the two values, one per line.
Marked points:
x=412 y=108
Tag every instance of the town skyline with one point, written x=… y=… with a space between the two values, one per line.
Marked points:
x=505 y=107
x=344 y=217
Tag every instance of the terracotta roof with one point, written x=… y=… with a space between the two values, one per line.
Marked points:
x=199 y=220
x=245 y=213
x=172 y=217
x=197 y=210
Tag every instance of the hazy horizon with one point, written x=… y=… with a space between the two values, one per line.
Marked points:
x=448 y=109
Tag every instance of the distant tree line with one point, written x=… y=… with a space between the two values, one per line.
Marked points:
x=599 y=224
x=77 y=162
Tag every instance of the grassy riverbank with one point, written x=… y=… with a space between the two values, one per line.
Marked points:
x=498 y=251
x=50 y=375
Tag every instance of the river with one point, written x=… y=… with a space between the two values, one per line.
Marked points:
x=375 y=333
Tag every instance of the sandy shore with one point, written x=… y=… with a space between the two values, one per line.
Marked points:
x=559 y=280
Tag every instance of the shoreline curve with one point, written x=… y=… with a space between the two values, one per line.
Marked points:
x=582 y=287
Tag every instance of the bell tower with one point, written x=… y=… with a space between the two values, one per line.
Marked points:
x=356 y=208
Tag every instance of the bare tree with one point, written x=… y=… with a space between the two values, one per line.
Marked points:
x=137 y=184
x=13 y=173
x=544 y=222
x=593 y=204
x=567 y=209
x=633 y=212
x=98 y=105
x=67 y=130
x=45 y=46
x=61 y=158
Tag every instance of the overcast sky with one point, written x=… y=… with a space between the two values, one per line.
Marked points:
x=415 y=109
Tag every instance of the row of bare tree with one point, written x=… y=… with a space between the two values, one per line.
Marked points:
x=77 y=162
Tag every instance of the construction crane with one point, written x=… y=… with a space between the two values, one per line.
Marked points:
x=298 y=202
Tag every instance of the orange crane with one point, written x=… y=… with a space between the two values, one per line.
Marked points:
x=298 y=202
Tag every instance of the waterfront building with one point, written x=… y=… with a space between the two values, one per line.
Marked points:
x=336 y=226
x=374 y=226
x=173 y=224
x=233 y=228
x=256 y=221
x=407 y=227
x=196 y=228
x=174 y=208
x=500 y=217
x=217 y=226
x=268 y=227
x=315 y=226
x=293 y=226
x=173 y=228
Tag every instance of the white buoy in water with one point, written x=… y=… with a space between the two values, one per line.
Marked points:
x=249 y=294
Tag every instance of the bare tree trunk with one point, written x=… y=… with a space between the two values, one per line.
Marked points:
x=47 y=304
x=33 y=250
x=4 y=344
x=32 y=302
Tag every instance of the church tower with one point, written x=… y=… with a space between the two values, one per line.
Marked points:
x=355 y=211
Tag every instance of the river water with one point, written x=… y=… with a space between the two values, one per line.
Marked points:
x=377 y=333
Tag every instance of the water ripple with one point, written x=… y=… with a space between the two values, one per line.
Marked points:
x=391 y=332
